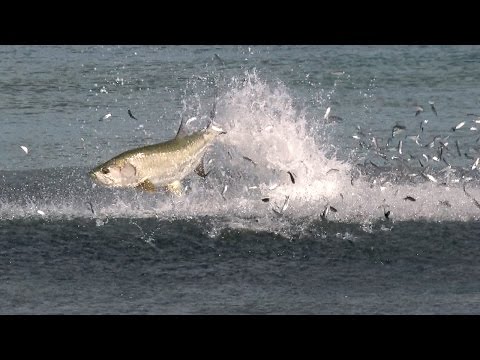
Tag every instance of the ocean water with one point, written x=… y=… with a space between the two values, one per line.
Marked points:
x=332 y=192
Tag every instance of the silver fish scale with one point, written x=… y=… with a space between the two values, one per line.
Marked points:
x=165 y=167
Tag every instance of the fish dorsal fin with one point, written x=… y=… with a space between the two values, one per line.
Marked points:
x=182 y=132
x=200 y=169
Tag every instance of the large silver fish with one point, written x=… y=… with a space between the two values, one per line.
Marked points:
x=165 y=164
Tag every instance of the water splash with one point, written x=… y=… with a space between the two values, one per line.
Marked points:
x=269 y=172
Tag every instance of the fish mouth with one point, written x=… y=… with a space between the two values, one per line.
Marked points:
x=92 y=175
x=99 y=178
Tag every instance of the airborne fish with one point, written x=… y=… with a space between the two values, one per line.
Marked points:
x=131 y=115
x=432 y=106
x=458 y=126
x=164 y=164
x=418 y=110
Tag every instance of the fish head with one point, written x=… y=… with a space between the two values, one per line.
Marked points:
x=107 y=175
x=113 y=174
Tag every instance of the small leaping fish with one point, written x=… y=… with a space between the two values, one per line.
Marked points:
x=430 y=177
x=397 y=129
x=105 y=117
x=285 y=204
x=190 y=120
x=432 y=106
x=224 y=191
x=475 y=164
x=131 y=115
x=325 y=117
x=292 y=176
x=418 y=110
x=248 y=159
x=458 y=126
x=458 y=148
x=284 y=207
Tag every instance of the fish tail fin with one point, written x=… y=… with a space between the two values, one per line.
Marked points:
x=212 y=125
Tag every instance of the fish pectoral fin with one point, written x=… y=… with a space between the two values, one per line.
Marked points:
x=175 y=188
x=200 y=170
x=146 y=186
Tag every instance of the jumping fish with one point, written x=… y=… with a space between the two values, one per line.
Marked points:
x=164 y=164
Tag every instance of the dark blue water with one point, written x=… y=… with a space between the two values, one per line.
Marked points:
x=76 y=267
x=364 y=229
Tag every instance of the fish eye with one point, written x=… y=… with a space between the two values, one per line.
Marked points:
x=105 y=170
